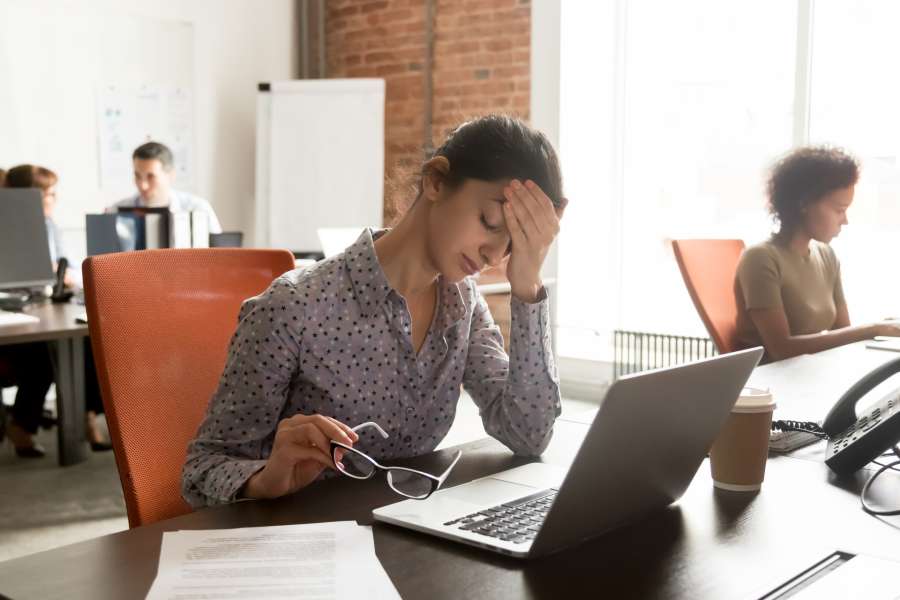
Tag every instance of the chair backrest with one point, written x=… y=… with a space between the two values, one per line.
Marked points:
x=708 y=268
x=160 y=322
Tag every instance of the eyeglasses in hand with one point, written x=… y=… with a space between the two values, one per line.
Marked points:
x=406 y=482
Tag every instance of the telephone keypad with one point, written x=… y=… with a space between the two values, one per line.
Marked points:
x=862 y=442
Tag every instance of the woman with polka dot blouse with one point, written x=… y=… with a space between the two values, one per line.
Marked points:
x=388 y=330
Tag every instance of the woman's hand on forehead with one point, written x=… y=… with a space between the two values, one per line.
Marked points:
x=533 y=223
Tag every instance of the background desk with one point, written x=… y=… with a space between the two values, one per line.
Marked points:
x=711 y=544
x=58 y=327
x=806 y=387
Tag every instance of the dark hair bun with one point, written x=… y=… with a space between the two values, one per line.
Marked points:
x=496 y=147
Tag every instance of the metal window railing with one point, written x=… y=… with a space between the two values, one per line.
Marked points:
x=635 y=351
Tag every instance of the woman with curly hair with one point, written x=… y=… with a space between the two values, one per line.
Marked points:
x=788 y=289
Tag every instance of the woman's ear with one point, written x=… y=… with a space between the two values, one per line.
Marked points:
x=434 y=173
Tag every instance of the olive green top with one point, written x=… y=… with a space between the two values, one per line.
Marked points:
x=808 y=288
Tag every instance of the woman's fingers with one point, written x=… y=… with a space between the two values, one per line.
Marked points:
x=298 y=454
x=303 y=442
x=528 y=213
x=308 y=434
x=513 y=225
x=311 y=431
x=306 y=438
x=330 y=427
x=542 y=204
x=347 y=429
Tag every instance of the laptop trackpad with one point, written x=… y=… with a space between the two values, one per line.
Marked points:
x=488 y=491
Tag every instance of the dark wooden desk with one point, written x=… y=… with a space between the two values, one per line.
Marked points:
x=806 y=387
x=710 y=544
x=66 y=337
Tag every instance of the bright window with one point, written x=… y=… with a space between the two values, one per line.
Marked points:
x=855 y=103
x=670 y=113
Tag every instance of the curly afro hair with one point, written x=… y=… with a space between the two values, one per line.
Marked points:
x=803 y=177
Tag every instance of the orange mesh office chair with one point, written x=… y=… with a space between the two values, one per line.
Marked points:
x=708 y=268
x=160 y=322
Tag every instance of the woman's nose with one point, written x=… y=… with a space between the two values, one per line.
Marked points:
x=493 y=254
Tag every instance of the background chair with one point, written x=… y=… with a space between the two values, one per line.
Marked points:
x=708 y=268
x=160 y=322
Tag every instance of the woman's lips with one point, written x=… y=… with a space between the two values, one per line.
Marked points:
x=469 y=267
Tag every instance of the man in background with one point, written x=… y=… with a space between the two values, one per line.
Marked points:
x=154 y=174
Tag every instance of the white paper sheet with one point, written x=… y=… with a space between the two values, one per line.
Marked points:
x=321 y=561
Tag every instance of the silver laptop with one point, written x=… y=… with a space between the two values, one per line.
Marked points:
x=643 y=448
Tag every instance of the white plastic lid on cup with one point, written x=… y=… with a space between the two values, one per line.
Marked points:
x=754 y=400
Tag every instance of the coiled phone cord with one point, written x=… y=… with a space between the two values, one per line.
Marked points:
x=815 y=429
x=862 y=495
x=804 y=426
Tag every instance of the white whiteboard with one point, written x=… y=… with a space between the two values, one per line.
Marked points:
x=320 y=159
x=129 y=116
x=55 y=58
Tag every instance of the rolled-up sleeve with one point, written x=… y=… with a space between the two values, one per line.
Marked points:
x=233 y=441
x=517 y=395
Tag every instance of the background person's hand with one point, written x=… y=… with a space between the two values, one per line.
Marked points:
x=888 y=327
x=533 y=223
x=301 y=451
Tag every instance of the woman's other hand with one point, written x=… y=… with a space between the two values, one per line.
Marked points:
x=301 y=451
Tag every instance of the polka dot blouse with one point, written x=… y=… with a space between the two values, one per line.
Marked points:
x=335 y=339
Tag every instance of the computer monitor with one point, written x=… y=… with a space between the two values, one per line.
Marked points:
x=113 y=233
x=24 y=250
x=226 y=239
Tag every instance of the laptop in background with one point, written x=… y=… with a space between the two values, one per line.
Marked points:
x=616 y=476
x=226 y=239
x=883 y=342
x=24 y=246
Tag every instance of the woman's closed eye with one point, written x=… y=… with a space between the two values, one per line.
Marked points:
x=488 y=225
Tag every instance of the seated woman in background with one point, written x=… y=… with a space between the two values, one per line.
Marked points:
x=788 y=289
x=27 y=366
x=388 y=330
x=32 y=176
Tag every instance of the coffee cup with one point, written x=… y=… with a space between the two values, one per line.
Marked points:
x=738 y=456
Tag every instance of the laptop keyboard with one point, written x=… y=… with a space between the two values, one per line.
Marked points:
x=517 y=521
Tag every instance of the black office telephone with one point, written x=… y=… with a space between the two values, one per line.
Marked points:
x=854 y=442
x=60 y=293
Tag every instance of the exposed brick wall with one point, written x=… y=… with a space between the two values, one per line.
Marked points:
x=482 y=60
x=481 y=64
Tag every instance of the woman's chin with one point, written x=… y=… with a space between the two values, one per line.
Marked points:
x=453 y=275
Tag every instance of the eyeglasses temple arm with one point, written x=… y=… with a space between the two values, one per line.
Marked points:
x=443 y=477
x=377 y=427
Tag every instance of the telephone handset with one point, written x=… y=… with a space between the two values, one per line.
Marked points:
x=60 y=293
x=854 y=442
